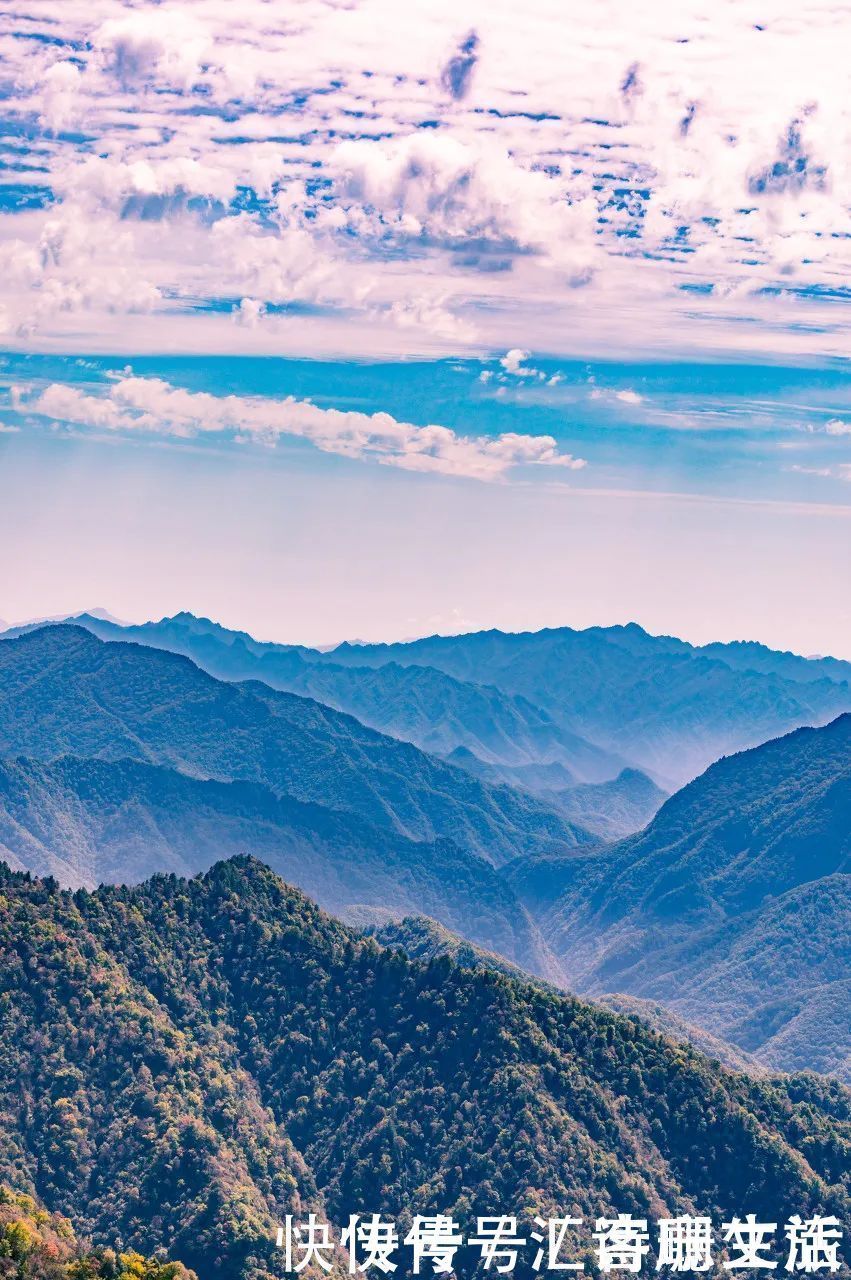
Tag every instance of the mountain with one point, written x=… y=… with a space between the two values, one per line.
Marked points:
x=200 y=1057
x=443 y=715
x=733 y=907
x=88 y=822
x=595 y=701
x=747 y=655
x=421 y=705
x=63 y=692
x=657 y=702
x=608 y=809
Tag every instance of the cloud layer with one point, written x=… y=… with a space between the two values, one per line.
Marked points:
x=454 y=178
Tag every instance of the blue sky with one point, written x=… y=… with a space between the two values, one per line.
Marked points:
x=471 y=320
x=689 y=525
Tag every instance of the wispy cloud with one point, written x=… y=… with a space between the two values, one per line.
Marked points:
x=153 y=406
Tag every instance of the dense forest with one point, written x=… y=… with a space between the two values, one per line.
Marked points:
x=38 y=1245
x=183 y=1062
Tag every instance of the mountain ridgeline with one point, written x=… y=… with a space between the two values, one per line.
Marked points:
x=201 y=1057
x=595 y=701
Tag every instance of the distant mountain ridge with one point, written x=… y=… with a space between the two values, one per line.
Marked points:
x=670 y=709
x=610 y=809
x=596 y=700
x=425 y=706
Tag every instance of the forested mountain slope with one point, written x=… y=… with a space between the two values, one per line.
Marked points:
x=38 y=1245
x=733 y=906
x=200 y=1057
x=422 y=938
x=63 y=692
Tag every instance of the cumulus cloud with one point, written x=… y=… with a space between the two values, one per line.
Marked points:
x=60 y=87
x=455 y=194
x=161 y=185
x=249 y=313
x=628 y=396
x=167 y=45
x=77 y=264
x=150 y=405
x=513 y=360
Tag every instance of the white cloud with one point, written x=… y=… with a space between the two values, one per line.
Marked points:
x=627 y=396
x=167 y=46
x=60 y=87
x=823 y=472
x=481 y=186
x=451 y=192
x=249 y=313
x=512 y=362
x=151 y=405
x=836 y=427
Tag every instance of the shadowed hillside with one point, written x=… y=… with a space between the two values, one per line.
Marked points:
x=87 y=822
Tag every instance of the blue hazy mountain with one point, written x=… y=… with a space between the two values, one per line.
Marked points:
x=733 y=907
x=666 y=707
x=93 y=821
x=64 y=692
x=747 y=655
x=421 y=705
x=610 y=809
x=595 y=700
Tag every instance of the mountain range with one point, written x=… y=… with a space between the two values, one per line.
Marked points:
x=728 y=913
x=666 y=707
x=63 y=692
x=594 y=701
x=184 y=1062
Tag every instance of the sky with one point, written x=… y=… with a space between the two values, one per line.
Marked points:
x=367 y=320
